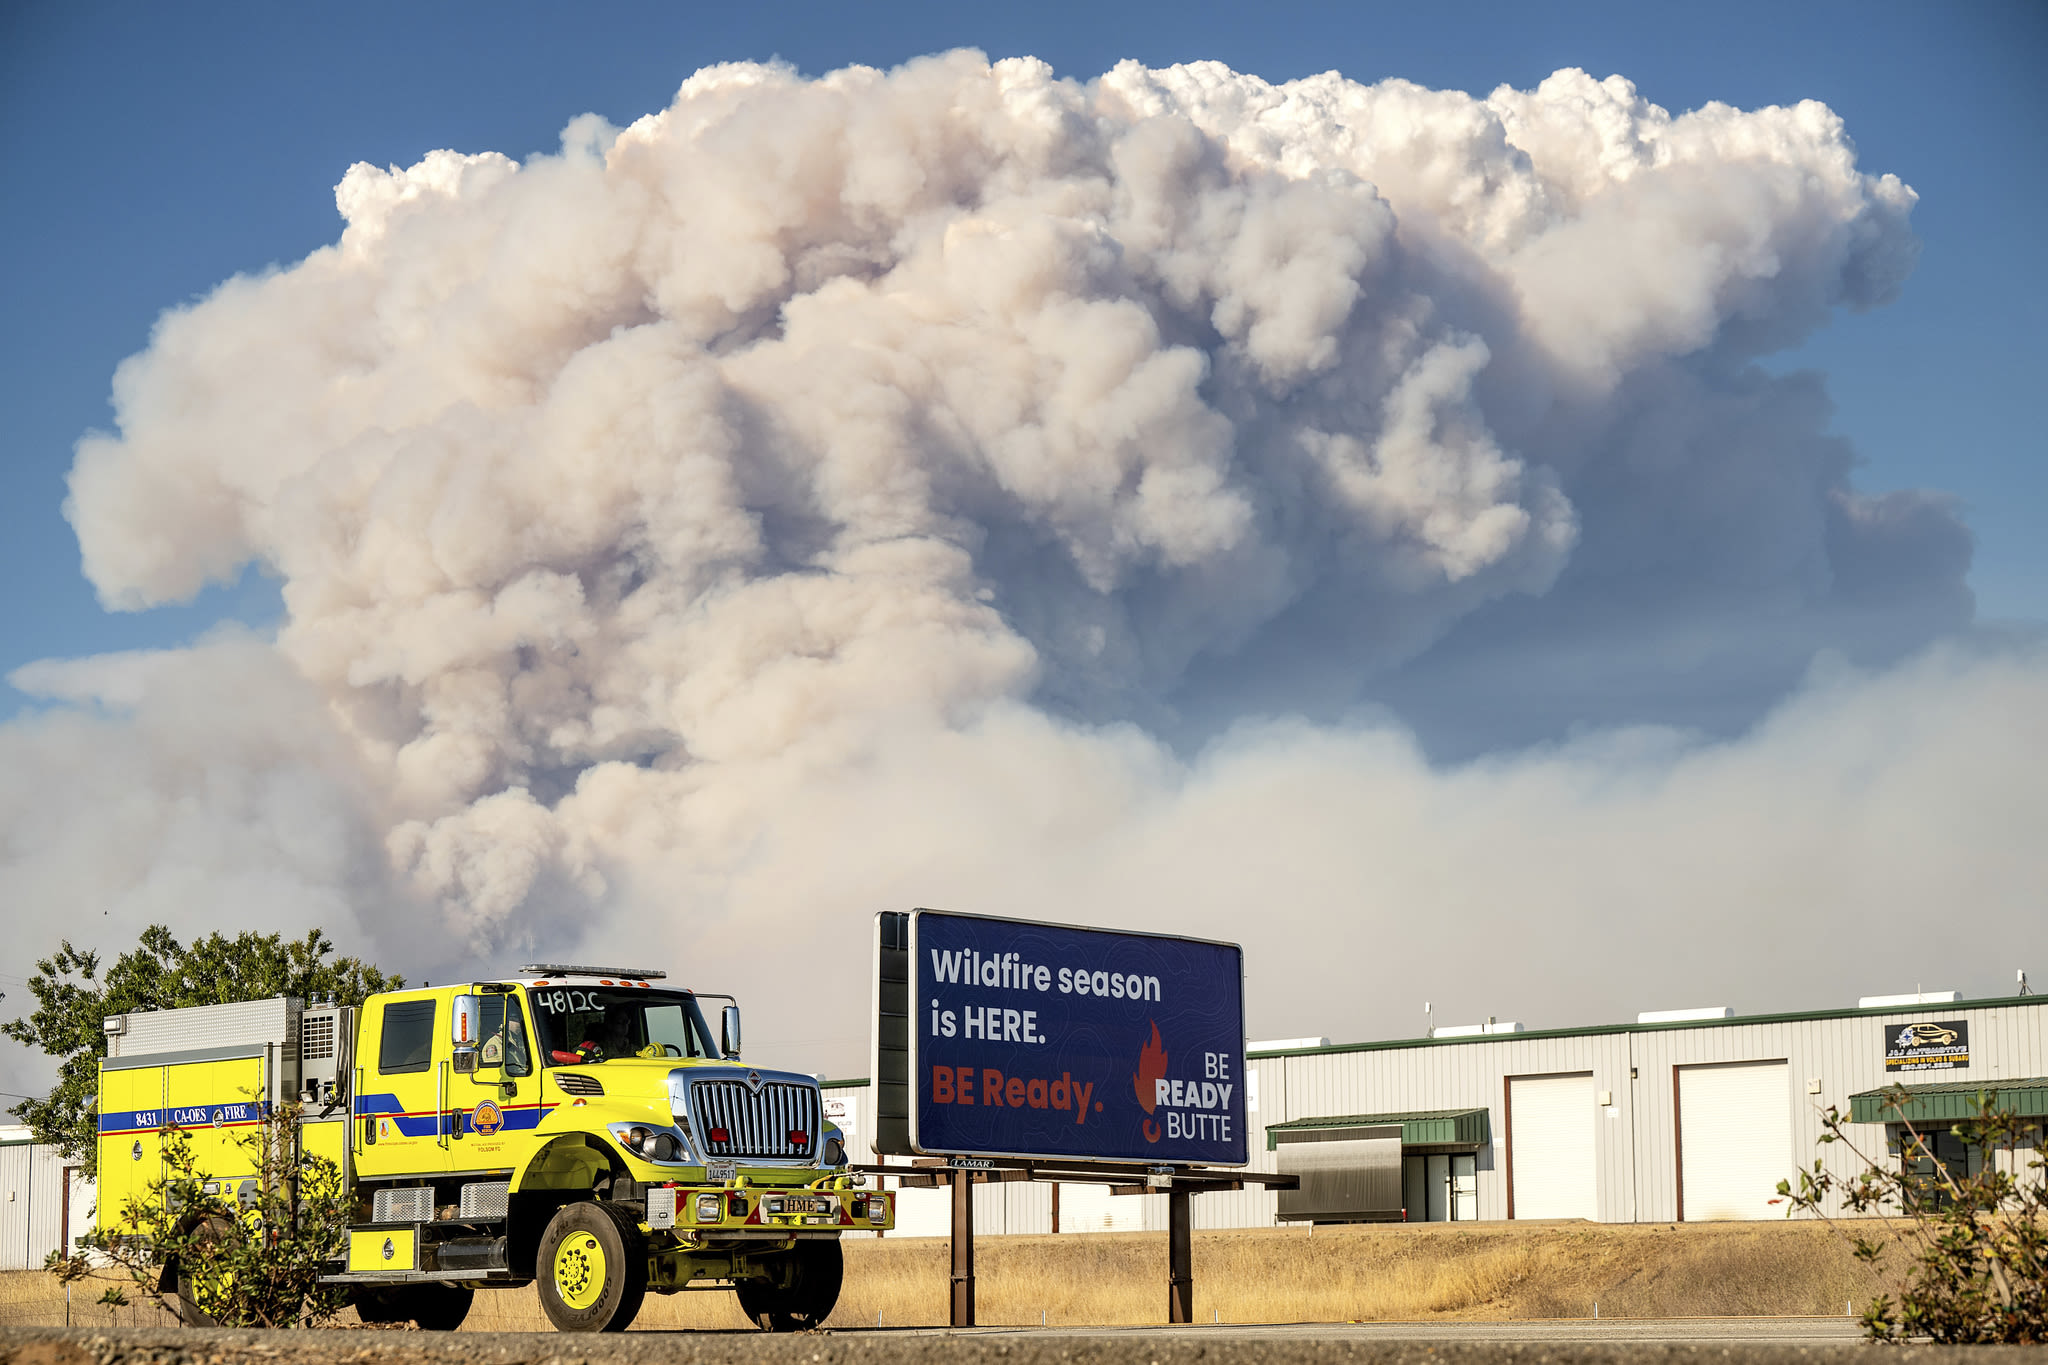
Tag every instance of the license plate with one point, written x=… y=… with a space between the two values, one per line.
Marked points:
x=721 y=1171
x=808 y=1204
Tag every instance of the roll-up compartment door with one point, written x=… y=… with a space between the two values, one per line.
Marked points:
x=1347 y=1174
x=1550 y=1146
x=1734 y=1139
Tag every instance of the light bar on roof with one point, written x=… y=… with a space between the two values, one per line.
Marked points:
x=567 y=969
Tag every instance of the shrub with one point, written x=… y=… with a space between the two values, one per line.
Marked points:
x=246 y=1251
x=1975 y=1245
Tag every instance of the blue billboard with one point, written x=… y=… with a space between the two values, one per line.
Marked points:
x=1046 y=1040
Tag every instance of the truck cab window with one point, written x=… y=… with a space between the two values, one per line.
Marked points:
x=578 y=1025
x=504 y=1035
x=669 y=1029
x=407 y=1041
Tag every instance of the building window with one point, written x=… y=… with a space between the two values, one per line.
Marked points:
x=1932 y=1162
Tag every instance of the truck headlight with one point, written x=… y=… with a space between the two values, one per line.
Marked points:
x=648 y=1143
x=835 y=1152
x=708 y=1207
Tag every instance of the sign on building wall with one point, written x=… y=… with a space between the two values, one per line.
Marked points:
x=1927 y=1047
x=1047 y=1040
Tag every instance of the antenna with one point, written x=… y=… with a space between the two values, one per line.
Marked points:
x=2023 y=982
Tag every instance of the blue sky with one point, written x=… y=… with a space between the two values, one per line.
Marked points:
x=154 y=151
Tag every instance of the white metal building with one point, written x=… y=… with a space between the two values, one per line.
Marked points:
x=1692 y=1115
x=44 y=1202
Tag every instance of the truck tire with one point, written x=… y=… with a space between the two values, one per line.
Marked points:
x=802 y=1299
x=592 y=1268
x=179 y=1280
x=435 y=1307
x=188 y=1310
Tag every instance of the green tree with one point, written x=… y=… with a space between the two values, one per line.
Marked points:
x=73 y=996
x=1974 y=1244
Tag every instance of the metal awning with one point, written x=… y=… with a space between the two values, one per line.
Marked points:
x=1952 y=1101
x=1425 y=1128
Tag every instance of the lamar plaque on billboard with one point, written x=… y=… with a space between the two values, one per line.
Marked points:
x=1021 y=1039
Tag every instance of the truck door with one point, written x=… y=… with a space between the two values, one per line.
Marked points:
x=493 y=1089
x=401 y=1086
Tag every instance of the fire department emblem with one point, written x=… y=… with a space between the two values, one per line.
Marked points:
x=485 y=1119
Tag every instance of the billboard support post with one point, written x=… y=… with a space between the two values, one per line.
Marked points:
x=963 y=1248
x=961 y=1174
x=1180 y=1260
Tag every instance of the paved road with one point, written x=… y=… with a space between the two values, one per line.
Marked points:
x=1802 y=1331
x=1698 y=1341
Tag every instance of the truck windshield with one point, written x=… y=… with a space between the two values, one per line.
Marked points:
x=597 y=1023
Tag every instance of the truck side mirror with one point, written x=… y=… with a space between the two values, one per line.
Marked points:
x=463 y=1026
x=729 y=1031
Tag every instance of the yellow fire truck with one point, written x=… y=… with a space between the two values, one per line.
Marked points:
x=579 y=1128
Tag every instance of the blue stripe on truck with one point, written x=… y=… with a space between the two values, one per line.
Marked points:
x=422 y=1123
x=181 y=1116
x=518 y=1118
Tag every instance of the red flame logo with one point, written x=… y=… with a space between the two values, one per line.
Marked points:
x=1151 y=1068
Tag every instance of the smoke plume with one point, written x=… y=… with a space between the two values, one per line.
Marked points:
x=1113 y=501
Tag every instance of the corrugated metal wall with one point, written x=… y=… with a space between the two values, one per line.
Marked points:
x=1460 y=1076
x=1637 y=1142
x=1634 y=1085
x=33 y=1216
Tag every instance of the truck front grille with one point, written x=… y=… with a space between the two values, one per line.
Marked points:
x=780 y=1120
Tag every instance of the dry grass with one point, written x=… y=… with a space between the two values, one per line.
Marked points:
x=1367 y=1274
x=30 y=1298
x=1471 y=1271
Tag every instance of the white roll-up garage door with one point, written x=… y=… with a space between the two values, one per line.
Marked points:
x=1734 y=1139
x=1550 y=1139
